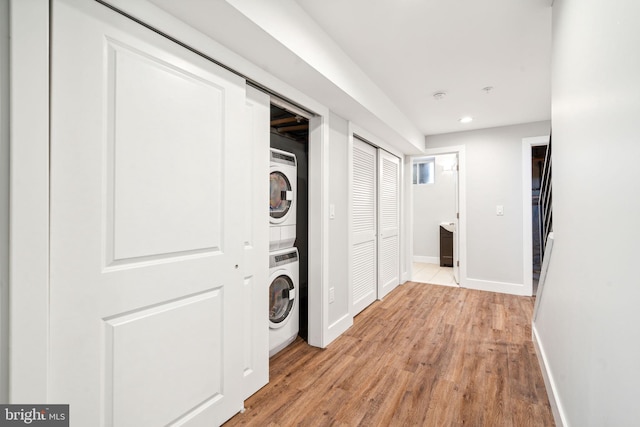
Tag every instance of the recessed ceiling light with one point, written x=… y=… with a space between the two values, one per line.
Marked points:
x=439 y=95
x=487 y=89
x=465 y=119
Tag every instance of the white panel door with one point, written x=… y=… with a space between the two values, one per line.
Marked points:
x=389 y=220
x=147 y=188
x=364 y=225
x=256 y=244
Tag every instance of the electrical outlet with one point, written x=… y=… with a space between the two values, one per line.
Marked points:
x=332 y=295
x=500 y=210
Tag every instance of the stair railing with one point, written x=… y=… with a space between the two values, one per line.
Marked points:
x=545 y=205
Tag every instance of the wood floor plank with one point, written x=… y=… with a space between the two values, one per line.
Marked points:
x=414 y=404
x=426 y=355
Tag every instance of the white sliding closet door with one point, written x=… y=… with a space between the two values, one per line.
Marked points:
x=255 y=289
x=147 y=257
x=389 y=225
x=364 y=225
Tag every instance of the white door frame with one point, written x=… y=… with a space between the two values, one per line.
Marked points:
x=318 y=287
x=460 y=150
x=4 y=200
x=29 y=206
x=527 y=238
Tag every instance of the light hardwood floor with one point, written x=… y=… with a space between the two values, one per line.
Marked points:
x=426 y=355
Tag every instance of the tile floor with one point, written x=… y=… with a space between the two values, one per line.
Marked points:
x=433 y=274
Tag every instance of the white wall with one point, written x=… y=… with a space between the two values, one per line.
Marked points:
x=588 y=319
x=339 y=317
x=494 y=175
x=4 y=199
x=433 y=204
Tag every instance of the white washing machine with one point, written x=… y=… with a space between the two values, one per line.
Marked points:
x=284 y=310
x=282 y=199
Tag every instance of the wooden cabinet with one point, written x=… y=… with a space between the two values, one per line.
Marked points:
x=446 y=248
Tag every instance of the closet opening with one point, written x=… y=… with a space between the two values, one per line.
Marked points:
x=289 y=132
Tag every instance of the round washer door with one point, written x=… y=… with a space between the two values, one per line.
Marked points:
x=280 y=198
x=281 y=300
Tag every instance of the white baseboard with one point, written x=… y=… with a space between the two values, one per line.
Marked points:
x=501 y=287
x=549 y=383
x=426 y=259
x=404 y=277
x=337 y=328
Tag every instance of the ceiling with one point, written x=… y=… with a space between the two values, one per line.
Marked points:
x=413 y=49
x=378 y=63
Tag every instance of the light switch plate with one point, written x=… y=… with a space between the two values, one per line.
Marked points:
x=499 y=210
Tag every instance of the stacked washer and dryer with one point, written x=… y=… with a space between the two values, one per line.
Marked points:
x=284 y=310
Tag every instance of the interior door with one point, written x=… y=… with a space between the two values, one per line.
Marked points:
x=389 y=220
x=146 y=226
x=364 y=225
x=256 y=244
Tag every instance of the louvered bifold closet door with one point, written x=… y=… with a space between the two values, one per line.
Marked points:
x=364 y=225
x=389 y=214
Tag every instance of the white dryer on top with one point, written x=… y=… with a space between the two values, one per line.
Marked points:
x=282 y=200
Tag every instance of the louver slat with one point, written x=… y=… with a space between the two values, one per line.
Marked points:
x=363 y=191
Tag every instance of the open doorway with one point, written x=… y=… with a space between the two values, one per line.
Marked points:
x=289 y=132
x=538 y=154
x=435 y=219
x=533 y=153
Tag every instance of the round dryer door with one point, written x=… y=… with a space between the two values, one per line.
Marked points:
x=280 y=196
x=281 y=299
